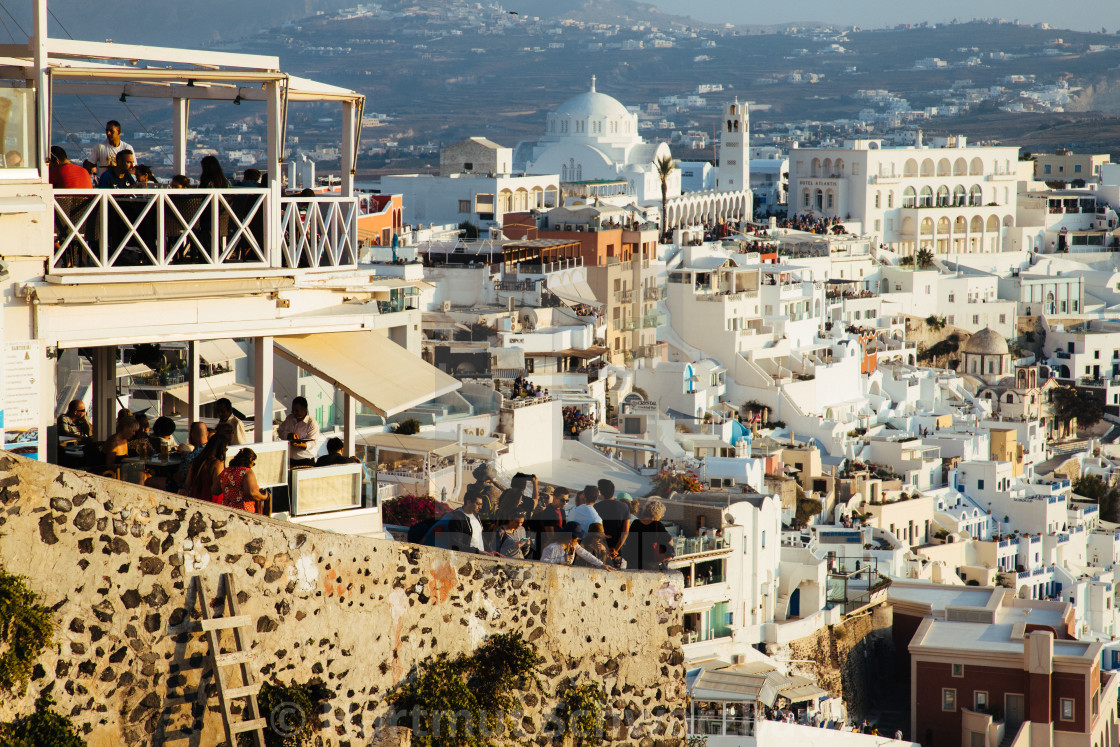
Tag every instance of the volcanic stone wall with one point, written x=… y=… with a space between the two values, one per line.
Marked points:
x=115 y=562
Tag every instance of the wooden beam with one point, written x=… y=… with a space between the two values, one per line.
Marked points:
x=110 y=51
x=221 y=92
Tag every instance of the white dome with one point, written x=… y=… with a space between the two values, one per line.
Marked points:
x=593 y=116
x=592 y=105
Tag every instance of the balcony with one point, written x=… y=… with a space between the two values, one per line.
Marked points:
x=686 y=546
x=653 y=320
x=624 y=296
x=629 y=325
x=148 y=231
x=653 y=294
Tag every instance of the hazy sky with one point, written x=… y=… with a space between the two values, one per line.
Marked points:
x=1085 y=16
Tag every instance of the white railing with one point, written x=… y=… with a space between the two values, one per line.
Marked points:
x=191 y=230
x=319 y=231
x=148 y=230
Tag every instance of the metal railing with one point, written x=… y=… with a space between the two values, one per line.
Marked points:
x=624 y=296
x=653 y=294
x=146 y=230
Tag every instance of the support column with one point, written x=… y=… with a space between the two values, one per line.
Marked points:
x=48 y=396
x=193 y=364
x=104 y=392
x=43 y=86
x=349 y=147
x=263 y=388
x=179 y=135
x=350 y=426
x=275 y=137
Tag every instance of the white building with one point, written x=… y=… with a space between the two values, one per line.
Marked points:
x=950 y=198
x=592 y=137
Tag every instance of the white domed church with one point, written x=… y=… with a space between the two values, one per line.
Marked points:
x=593 y=137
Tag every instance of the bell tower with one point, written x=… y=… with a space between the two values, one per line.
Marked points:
x=734 y=171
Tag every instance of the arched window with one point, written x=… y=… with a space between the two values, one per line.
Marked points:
x=943 y=195
x=959 y=196
x=925 y=197
x=909 y=198
x=975 y=195
x=910 y=168
x=927 y=167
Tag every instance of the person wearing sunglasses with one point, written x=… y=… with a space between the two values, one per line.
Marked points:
x=122 y=175
x=74 y=424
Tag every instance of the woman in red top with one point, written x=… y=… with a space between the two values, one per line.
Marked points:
x=240 y=488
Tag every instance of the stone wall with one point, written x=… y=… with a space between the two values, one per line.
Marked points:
x=854 y=660
x=114 y=561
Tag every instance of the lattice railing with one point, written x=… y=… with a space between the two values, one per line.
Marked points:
x=146 y=230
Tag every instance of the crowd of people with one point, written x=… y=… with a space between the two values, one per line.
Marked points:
x=204 y=467
x=584 y=309
x=595 y=527
x=522 y=387
x=576 y=422
x=111 y=164
x=812 y=224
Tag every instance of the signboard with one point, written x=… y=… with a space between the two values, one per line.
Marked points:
x=641 y=406
x=20 y=417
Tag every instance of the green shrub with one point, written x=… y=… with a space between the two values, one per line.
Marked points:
x=462 y=701
x=292 y=712
x=581 y=711
x=43 y=727
x=26 y=628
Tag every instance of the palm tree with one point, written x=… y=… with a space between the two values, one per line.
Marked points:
x=664 y=167
x=925 y=258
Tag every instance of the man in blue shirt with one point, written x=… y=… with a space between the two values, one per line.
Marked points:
x=121 y=175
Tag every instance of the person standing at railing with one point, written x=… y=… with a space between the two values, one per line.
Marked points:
x=65 y=175
x=120 y=176
x=105 y=154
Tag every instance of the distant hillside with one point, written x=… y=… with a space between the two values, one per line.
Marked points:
x=190 y=24
x=166 y=23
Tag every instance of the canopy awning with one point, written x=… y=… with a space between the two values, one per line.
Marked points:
x=131 y=369
x=219 y=351
x=584 y=353
x=802 y=690
x=725 y=685
x=369 y=367
x=576 y=291
x=439 y=447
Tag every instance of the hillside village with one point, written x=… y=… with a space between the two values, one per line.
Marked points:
x=815 y=444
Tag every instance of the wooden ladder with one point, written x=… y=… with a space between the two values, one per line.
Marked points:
x=232 y=620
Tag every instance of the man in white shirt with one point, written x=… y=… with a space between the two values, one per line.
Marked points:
x=584 y=514
x=104 y=155
x=303 y=432
x=223 y=408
